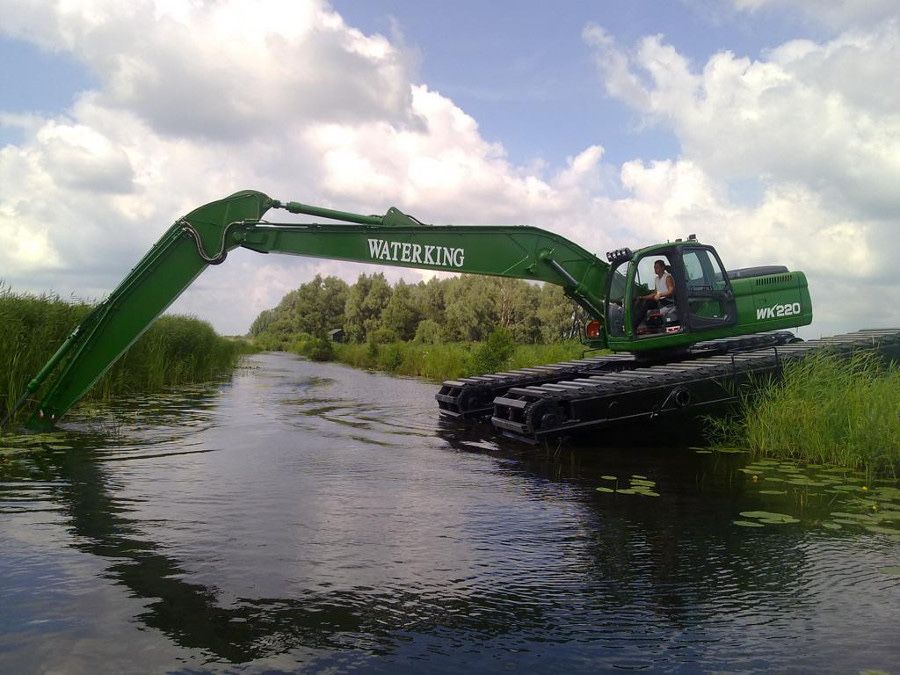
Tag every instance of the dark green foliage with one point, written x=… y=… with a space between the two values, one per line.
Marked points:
x=493 y=355
x=313 y=347
x=366 y=300
x=428 y=332
x=314 y=309
x=465 y=308
x=174 y=350
x=446 y=361
x=402 y=312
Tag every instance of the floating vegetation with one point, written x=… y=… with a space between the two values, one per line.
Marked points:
x=834 y=498
x=20 y=444
x=748 y=523
x=770 y=518
x=638 y=485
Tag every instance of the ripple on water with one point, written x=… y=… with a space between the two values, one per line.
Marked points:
x=310 y=515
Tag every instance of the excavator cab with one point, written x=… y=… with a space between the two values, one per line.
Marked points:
x=703 y=299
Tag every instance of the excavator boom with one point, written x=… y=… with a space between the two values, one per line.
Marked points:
x=206 y=235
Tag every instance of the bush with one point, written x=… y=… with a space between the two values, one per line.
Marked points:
x=493 y=355
x=428 y=333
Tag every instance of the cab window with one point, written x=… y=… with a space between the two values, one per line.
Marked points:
x=706 y=286
x=615 y=319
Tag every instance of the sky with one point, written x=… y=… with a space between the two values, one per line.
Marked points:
x=770 y=128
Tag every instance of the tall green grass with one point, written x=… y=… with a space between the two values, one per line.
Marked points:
x=174 y=350
x=826 y=410
x=448 y=361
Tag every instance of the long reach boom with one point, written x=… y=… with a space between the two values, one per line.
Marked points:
x=206 y=235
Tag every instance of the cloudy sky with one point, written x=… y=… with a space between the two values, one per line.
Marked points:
x=771 y=128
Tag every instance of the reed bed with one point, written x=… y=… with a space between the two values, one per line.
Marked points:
x=174 y=350
x=826 y=410
x=438 y=362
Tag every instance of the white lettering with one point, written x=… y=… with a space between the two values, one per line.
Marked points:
x=778 y=311
x=426 y=254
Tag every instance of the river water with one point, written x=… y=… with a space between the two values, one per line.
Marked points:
x=311 y=517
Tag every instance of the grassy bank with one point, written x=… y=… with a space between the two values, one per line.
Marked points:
x=827 y=410
x=450 y=361
x=174 y=350
x=439 y=362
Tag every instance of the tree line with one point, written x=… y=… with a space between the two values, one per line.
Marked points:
x=457 y=309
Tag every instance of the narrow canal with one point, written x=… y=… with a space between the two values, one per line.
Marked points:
x=308 y=517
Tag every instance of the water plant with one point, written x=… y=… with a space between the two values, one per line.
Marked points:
x=174 y=350
x=439 y=362
x=826 y=410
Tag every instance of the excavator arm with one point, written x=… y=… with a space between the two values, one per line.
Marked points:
x=206 y=235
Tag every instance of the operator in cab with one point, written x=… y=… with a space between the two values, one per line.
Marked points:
x=662 y=298
x=665 y=285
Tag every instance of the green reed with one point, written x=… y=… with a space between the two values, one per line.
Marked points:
x=174 y=350
x=826 y=410
x=446 y=361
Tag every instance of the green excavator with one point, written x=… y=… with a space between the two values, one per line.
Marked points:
x=707 y=310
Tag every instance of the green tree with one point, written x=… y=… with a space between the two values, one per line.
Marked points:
x=517 y=303
x=471 y=312
x=402 y=312
x=314 y=309
x=364 y=305
x=554 y=313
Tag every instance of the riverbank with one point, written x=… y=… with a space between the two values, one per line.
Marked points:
x=439 y=362
x=826 y=410
x=175 y=349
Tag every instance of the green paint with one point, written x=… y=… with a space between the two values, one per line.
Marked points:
x=207 y=234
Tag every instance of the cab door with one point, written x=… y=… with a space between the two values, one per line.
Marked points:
x=710 y=299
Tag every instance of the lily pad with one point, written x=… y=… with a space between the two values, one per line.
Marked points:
x=831 y=526
x=704 y=452
x=608 y=477
x=894 y=570
x=881 y=529
x=773 y=492
x=605 y=489
x=770 y=517
x=747 y=523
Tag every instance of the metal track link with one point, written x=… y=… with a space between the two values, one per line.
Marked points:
x=472 y=397
x=648 y=390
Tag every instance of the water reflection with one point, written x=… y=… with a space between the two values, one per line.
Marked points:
x=388 y=539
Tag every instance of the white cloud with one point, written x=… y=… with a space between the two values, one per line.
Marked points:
x=834 y=13
x=816 y=127
x=197 y=100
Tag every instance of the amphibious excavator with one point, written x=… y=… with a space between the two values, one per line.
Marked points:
x=672 y=348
